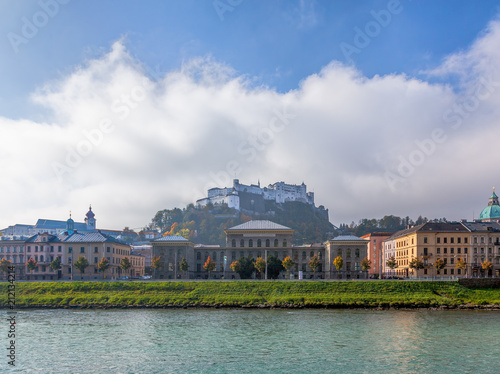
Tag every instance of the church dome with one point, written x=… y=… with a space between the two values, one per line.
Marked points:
x=90 y=213
x=492 y=211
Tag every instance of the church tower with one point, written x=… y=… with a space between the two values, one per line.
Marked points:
x=90 y=220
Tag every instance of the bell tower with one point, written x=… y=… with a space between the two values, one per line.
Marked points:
x=90 y=219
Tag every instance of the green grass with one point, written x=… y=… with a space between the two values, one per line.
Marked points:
x=248 y=294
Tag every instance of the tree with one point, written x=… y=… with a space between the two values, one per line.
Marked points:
x=462 y=265
x=5 y=265
x=155 y=263
x=439 y=265
x=81 y=264
x=184 y=266
x=392 y=263
x=56 y=264
x=338 y=263
x=260 y=265
x=486 y=265
x=31 y=264
x=314 y=263
x=125 y=264
x=288 y=264
x=274 y=267
x=209 y=265
x=103 y=265
x=365 y=264
x=416 y=264
x=245 y=267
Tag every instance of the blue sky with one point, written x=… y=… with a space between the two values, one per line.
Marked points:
x=209 y=76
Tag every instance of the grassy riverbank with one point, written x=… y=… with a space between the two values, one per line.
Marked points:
x=293 y=294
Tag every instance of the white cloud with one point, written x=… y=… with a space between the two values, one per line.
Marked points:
x=160 y=143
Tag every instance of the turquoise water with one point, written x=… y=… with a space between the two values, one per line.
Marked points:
x=254 y=341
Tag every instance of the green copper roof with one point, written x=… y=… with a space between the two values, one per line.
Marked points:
x=494 y=196
x=492 y=211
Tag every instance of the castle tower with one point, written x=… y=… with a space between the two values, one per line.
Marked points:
x=90 y=219
x=70 y=225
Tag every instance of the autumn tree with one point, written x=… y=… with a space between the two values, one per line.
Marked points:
x=155 y=263
x=184 y=266
x=209 y=266
x=338 y=263
x=486 y=265
x=288 y=264
x=366 y=264
x=439 y=265
x=314 y=263
x=103 y=265
x=260 y=266
x=462 y=265
x=31 y=264
x=125 y=265
x=274 y=267
x=81 y=264
x=416 y=264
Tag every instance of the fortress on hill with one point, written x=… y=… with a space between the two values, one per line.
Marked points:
x=253 y=197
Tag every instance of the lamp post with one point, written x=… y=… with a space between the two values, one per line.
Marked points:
x=265 y=255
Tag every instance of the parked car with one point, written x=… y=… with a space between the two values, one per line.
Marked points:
x=123 y=278
x=146 y=277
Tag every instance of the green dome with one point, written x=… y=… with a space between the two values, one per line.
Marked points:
x=492 y=211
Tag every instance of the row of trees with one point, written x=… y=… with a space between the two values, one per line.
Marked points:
x=439 y=264
x=81 y=264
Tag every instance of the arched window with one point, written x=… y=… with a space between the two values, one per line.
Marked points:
x=242 y=243
x=259 y=243
x=348 y=253
x=311 y=254
x=339 y=252
x=250 y=242
x=198 y=255
x=275 y=242
x=41 y=258
x=214 y=256
x=304 y=255
x=268 y=243
x=284 y=243
x=233 y=243
x=357 y=252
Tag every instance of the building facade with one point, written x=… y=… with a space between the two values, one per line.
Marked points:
x=375 y=252
x=352 y=250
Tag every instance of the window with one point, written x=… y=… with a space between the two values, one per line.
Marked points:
x=465 y=250
x=459 y=240
x=425 y=240
x=452 y=260
x=233 y=255
x=445 y=271
x=275 y=242
x=250 y=242
x=70 y=250
x=107 y=249
x=82 y=249
x=59 y=248
x=242 y=243
x=357 y=252
x=445 y=240
x=233 y=243
x=339 y=252
x=284 y=243
x=95 y=260
x=348 y=253
x=425 y=252
x=268 y=243
x=96 y=249
x=452 y=240
x=214 y=256
x=36 y=248
x=304 y=255
x=198 y=255
x=311 y=254
x=259 y=243
x=438 y=240
x=445 y=250
x=452 y=250
x=52 y=248
x=459 y=250
x=29 y=248
x=438 y=251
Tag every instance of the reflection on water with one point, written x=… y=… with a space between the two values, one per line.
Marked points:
x=256 y=341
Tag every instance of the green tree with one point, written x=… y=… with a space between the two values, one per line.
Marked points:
x=416 y=264
x=365 y=264
x=5 y=265
x=314 y=263
x=103 y=265
x=486 y=265
x=245 y=267
x=439 y=265
x=184 y=266
x=125 y=265
x=31 y=264
x=56 y=264
x=209 y=265
x=288 y=264
x=260 y=266
x=462 y=265
x=274 y=267
x=81 y=264
x=156 y=263
x=392 y=263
